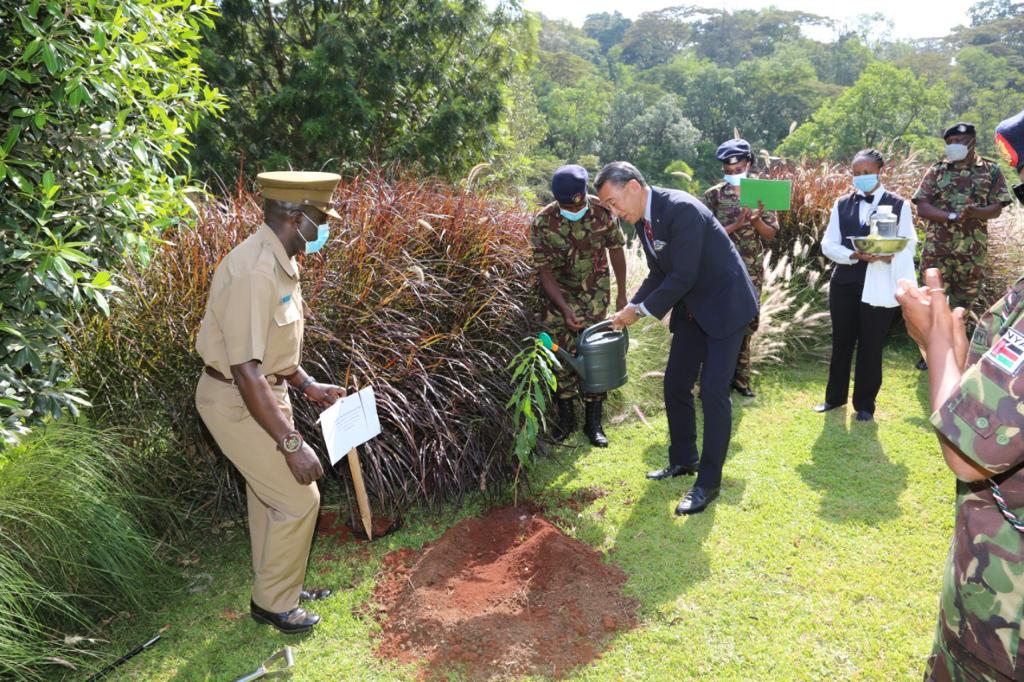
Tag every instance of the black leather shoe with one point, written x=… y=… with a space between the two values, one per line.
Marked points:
x=922 y=365
x=293 y=622
x=696 y=501
x=314 y=594
x=672 y=471
x=592 y=425
x=744 y=391
x=825 y=407
x=566 y=425
x=864 y=416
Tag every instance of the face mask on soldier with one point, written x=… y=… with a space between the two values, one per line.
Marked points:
x=957 y=152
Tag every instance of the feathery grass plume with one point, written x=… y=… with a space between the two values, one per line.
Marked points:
x=71 y=547
x=1005 y=255
x=423 y=293
x=794 y=318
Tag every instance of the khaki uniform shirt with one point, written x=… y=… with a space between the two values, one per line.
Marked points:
x=255 y=309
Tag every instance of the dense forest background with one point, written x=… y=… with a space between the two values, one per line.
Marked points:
x=443 y=86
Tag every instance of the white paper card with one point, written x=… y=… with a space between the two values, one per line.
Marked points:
x=349 y=422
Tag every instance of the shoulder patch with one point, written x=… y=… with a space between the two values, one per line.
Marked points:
x=1008 y=352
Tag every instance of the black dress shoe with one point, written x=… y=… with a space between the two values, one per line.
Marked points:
x=293 y=622
x=864 y=416
x=825 y=407
x=922 y=365
x=696 y=500
x=314 y=594
x=744 y=391
x=672 y=471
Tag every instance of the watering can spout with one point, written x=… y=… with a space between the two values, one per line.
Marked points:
x=574 y=362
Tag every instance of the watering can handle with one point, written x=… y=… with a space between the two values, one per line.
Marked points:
x=600 y=326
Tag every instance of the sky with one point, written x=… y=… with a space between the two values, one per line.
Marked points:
x=911 y=18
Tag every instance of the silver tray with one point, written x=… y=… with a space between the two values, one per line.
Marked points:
x=879 y=246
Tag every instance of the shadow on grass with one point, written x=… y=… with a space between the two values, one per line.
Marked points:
x=848 y=465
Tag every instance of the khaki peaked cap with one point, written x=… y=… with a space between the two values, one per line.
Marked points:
x=300 y=187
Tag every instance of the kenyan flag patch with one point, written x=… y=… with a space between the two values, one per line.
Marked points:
x=1008 y=353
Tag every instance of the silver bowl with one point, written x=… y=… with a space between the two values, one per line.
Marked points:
x=879 y=246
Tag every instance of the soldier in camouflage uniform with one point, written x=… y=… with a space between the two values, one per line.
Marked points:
x=980 y=423
x=958 y=196
x=749 y=230
x=569 y=239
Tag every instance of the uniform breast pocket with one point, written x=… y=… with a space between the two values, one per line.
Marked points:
x=287 y=313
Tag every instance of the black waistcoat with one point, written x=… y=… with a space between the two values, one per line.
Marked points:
x=850 y=226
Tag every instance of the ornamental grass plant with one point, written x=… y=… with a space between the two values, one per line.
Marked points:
x=423 y=292
x=73 y=548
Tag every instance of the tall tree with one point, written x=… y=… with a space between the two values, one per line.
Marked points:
x=887 y=107
x=316 y=82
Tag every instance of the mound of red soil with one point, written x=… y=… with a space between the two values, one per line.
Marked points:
x=503 y=595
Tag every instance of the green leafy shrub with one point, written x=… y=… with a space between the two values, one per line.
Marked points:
x=71 y=547
x=422 y=292
x=96 y=100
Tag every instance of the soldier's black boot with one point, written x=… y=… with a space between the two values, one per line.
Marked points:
x=592 y=427
x=566 y=425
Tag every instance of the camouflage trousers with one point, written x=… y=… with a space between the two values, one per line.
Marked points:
x=741 y=378
x=568 y=381
x=962 y=275
x=948 y=665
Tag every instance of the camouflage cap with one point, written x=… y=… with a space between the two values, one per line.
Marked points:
x=300 y=187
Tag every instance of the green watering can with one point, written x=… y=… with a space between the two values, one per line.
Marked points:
x=600 y=359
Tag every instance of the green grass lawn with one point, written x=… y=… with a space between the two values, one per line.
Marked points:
x=820 y=560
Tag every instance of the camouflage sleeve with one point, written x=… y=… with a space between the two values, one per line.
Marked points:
x=545 y=253
x=984 y=417
x=770 y=219
x=710 y=199
x=614 y=239
x=926 y=190
x=999 y=193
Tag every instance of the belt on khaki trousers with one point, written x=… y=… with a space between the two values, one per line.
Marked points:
x=272 y=379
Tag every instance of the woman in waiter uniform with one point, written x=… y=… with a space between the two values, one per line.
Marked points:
x=862 y=293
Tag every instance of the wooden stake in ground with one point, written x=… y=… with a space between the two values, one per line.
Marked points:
x=361 y=497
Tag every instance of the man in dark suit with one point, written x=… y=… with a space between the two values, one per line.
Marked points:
x=697 y=274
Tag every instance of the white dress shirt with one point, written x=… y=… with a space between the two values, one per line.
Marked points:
x=881 y=277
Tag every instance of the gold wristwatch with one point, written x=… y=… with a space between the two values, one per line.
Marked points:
x=290 y=442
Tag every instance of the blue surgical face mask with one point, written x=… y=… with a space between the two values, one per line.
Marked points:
x=322 y=233
x=865 y=183
x=957 y=152
x=574 y=216
x=734 y=180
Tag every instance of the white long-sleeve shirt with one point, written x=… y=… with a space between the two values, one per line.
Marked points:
x=881 y=278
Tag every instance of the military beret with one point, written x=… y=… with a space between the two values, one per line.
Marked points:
x=960 y=129
x=1010 y=134
x=300 y=187
x=569 y=184
x=733 y=151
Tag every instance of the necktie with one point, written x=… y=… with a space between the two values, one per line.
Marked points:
x=649 y=233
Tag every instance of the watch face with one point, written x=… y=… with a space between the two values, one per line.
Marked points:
x=291 y=443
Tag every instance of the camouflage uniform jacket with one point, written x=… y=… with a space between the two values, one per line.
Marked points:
x=950 y=186
x=575 y=254
x=983 y=587
x=724 y=201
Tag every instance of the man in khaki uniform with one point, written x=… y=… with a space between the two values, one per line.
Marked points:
x=250 y=339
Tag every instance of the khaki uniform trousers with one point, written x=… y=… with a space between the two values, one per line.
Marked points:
x=282 y=513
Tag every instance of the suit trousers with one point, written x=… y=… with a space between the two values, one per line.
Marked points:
x=282 y=513
x=856 y=325
x=691 y=349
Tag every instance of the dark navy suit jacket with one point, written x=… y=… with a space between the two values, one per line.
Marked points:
x=694 y=267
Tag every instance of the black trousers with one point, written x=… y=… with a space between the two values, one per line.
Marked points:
x=856 y=325
x=691 y=348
